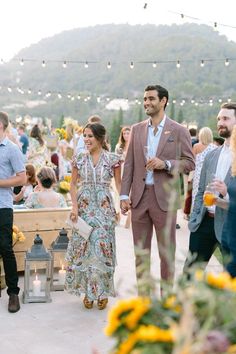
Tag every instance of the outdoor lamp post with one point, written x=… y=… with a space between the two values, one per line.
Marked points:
x=58 y=250
x=38 y=265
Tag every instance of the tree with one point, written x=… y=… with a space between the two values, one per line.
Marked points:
x=172 y=111
x=180 y=117
x=114 y=132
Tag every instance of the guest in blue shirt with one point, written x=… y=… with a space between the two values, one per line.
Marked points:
x=12 y=173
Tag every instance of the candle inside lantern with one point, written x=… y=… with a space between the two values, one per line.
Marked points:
x=36 y=286
x=62 y=275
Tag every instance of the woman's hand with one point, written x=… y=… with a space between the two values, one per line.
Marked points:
x=74 y=214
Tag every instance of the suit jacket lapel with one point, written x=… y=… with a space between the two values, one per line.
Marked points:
x=165 y=135
x=144 y=136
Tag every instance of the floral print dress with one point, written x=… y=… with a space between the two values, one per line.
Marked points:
x=91 y=263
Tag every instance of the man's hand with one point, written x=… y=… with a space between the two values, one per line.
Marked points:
x=219 y=186
x=125 y=206
x=155 y=164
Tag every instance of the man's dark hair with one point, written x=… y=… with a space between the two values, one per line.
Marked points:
x=231 y=105
x=193 y=131
x=161 y=92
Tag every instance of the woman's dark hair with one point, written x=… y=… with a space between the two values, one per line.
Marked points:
x=36 y=133
x=30 y=171
x=99 y=133
x=121 y=141
x=47 y=177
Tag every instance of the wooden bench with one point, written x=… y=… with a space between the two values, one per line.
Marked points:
x=45 y=222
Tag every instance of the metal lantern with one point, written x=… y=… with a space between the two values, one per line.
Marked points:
x=58 y=250
x=38 y=265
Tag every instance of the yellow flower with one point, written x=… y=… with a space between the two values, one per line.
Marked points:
x=220 y=281
x=199 y=275
x=64 y=187
x=135 y=309
x=232 y=349
x=17 y=235
x=153 y=333
x=127 y=345
x=67 y=178
x=171 y=303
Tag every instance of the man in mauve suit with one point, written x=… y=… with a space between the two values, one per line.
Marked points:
x=159 y=149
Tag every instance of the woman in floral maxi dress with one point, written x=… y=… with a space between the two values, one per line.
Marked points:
x=91 y=263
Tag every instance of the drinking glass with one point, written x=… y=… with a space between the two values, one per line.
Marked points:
x=210 y=195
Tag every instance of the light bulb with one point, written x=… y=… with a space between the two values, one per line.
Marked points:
x=78 y=97
x=131 y=65
x=64 y=65
x=109 y=65
x=154 y=64
x=202 y=63
x=9 y=89
x=178 y=64
x=29 y=91
x=43 y=63
x=39 y=92
x=86 y=65
x=22 y=62
x=59 y=95
x=226 y=62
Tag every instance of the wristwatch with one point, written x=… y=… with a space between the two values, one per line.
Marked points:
x=167 y=165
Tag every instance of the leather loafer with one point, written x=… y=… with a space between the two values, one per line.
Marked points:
x=14 y=303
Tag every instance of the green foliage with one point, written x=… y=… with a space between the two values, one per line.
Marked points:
x=189 y=43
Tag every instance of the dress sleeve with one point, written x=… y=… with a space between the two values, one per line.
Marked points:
x=78 y=160
x=115 y=160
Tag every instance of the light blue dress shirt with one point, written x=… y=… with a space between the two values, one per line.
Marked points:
x=152 y=144
x=11 y=162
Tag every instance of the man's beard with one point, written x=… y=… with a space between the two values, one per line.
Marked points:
x=225 y=133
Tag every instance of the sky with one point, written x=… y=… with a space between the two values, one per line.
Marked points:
x=24 y=22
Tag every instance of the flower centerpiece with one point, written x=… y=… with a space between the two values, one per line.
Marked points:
x=63 y=187
x=197 y=318
x=17 y=235
x=61 y=133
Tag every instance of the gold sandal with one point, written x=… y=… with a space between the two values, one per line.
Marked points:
x=87 y=303
x=102 y=303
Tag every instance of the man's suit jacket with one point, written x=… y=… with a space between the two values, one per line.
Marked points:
x=174 y=145
x=199 y=210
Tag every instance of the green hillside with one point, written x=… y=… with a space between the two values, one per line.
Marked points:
x=121 y=44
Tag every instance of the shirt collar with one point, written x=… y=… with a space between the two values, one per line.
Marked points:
x=4 y=141
x=160 y=125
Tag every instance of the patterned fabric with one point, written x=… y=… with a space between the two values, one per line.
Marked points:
x=198 y=167
x=32 y=201
x=37 y=154
x=91 y=263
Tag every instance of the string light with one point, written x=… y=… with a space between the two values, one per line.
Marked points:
x=87 y=98
x=215 y=26
x=226 y=62
x=22 y=62
x=178 y=64
x=64 y=65
x=202 y=63
x=86 y=65
x=1 y=61
x=131 y=65
x=43 y=64
x=154 y=64
x=109 y=65
x=215 y=23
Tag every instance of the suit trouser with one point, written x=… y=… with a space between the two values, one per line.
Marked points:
x=202 y=243
x=6 y=251
x=146 y=215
